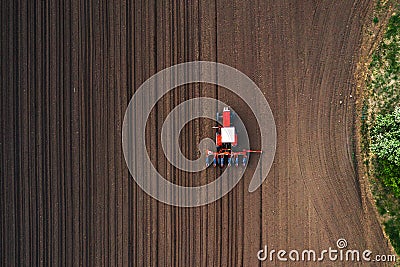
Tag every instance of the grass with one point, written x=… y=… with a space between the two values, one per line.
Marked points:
x=381 y=97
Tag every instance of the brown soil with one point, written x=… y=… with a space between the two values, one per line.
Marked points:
x=68 y=71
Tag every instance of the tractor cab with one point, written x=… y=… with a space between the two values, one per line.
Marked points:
x=226 y=135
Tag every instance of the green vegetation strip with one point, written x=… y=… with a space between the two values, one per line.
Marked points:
x=381 y=128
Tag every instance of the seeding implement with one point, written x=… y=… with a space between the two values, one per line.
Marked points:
x=226 y=139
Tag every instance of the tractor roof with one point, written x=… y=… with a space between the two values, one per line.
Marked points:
x=228 y=134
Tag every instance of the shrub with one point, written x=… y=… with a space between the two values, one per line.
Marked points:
x=385 y=137
x=385 y=144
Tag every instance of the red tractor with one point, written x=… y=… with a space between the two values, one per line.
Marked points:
x=226 y=138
